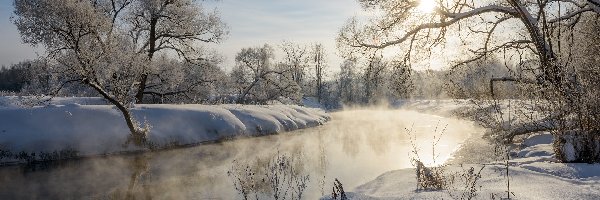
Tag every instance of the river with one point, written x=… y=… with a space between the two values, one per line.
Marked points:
x=355 y=147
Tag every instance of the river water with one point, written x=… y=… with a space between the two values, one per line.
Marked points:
x=355 y=147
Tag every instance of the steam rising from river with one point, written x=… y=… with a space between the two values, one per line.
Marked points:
x=356 y=146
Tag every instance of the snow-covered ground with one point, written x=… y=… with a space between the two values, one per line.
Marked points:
x=439 y=107
x=84 y=130
x=25 y=101
x=533 y=172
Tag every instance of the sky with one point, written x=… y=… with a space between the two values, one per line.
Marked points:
x=254 y=23
x=12 y=50
x=251 y=23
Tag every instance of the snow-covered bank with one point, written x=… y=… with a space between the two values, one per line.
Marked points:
x=534 y=174
x=446 y=107
x=64 y=130
x=25 y=101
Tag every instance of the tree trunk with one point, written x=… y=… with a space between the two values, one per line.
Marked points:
x=319 y=72
x=138 y=136
x=139 y=97
x=544 y=51
x=242 y=97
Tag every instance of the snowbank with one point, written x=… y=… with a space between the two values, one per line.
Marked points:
x=100 y=129
x=20 y=101
x=440 y=107
x=534 y=174
x=312 y=102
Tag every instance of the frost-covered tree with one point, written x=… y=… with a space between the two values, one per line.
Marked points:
x=427 y=84
x=253 y=65
x=374 y=79
x=579 y=54
x=525 y=32
x=400 y=83
x=472 y=80
x=318 y=59
x=295 y=59
x=305 y=65
x=18 y=76
x=183 y=82
x=174 y=26
x=108 y=45
x=258 y=80
x=348 y=82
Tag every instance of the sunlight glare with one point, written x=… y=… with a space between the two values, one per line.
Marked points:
x=426 y=6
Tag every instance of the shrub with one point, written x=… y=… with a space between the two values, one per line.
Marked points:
x=430 y=178
x=279 y=177
x=338 y=191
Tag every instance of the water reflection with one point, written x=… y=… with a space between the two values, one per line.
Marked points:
x=321 y=169
x=355 y=147
x=139 y=166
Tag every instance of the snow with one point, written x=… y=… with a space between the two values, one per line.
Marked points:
x=312 y=102
x=439 y=107
x=537 y=145
x=536 y=139
x=100 y=129
x=533 y=176
x=536 y=151
x=569 y=150
x=534 y=172
x=20 y=101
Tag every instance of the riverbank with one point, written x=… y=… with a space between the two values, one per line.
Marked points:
x=68 y=131
x=355 y=146
x=533 y=172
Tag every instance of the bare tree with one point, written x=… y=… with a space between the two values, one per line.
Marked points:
x=181 y=81
x=471 y=80
x=258 y=80
x=252 y=68
x=373 y=78
x=296 y=59
x=347 y=82
x=400 y=80
x=25 y=75
x=429 y=29
x=170 y=25
x=428 y=84
x=108 y=45
x=525 y=32
x=318 y=60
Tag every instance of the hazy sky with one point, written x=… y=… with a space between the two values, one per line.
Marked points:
x=256 y=22
x=11 y=48
x=251 y=23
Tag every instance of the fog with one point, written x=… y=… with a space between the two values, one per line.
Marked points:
x=355 y=147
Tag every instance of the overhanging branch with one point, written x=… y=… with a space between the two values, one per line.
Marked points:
x=454 y=18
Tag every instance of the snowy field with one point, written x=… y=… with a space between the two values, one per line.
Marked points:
x=55 y=131
x=533 y=172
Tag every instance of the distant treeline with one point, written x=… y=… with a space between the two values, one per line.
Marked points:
x=358 y=82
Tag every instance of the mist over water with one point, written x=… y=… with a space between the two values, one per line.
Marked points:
x=355 y=147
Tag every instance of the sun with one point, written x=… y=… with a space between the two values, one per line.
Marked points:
x=426 y=6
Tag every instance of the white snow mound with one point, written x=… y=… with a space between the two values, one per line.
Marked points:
x=101 y=129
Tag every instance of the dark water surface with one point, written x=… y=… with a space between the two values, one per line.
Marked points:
x=355 y=147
